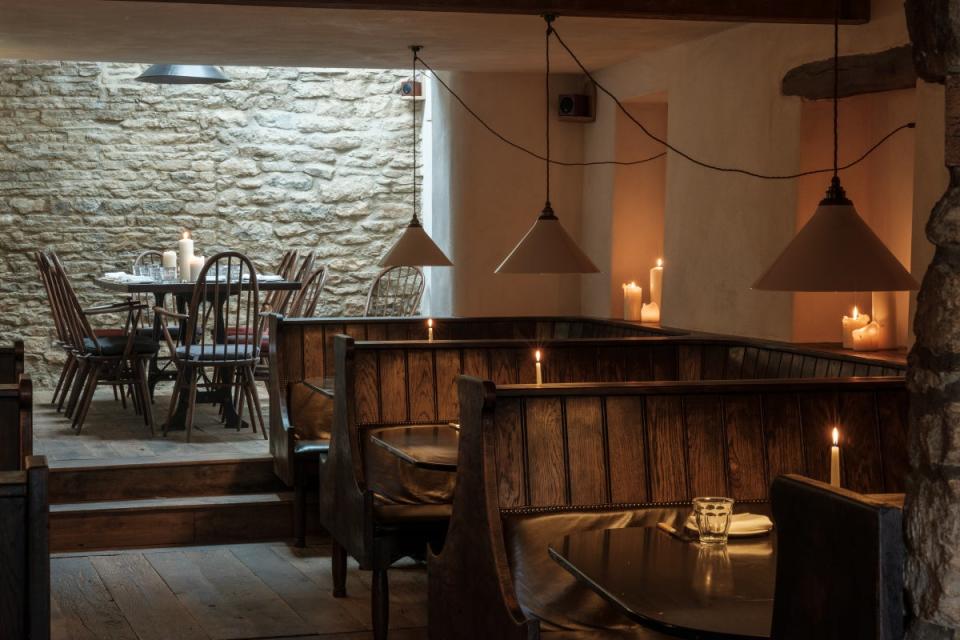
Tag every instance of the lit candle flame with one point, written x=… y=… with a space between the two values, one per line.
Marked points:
x=856 y=312
x=659 y=262
x=430 y=323
x=537 y=355
x=836 y=436
x=186 y=235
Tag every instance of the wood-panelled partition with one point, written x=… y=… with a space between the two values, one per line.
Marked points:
x=16 y=423
x=529 y=451
x=11 y=363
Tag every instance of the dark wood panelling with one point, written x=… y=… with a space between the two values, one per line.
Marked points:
x=892 y=420
x=859 y=459
x=818 y=417
x=504 y=366
x=394 y=407
x=705 y=447
x=510 y=452
x=691 y=361
x=586 y=451
x=784 y=441
x=422 y=387
x=714 y=362
x=545 y=451
x=366 y=388
x=665 y=363
x=666 y=446
x=745 y=448
x=448 y=368
x=628 y=449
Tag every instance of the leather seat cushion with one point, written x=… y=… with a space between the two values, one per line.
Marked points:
x=549 y=592
x=399 y=482
x=311 y=447
x=218 y=352
x=148 y=332
x=113 y=345
x=410 y=513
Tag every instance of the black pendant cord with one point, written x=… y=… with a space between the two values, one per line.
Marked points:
x=836 y=88
x=413 y=90
x=548 y=18
x=716 y=167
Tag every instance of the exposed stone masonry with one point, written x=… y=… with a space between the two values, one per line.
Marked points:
x=100 y=167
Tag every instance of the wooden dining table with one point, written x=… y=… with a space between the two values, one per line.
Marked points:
x=431 y=447
x=182 y=291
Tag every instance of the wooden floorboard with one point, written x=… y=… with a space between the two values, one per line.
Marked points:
x=256 y=591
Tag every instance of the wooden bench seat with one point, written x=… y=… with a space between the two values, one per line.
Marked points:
x=11 y=363
x=564 y=457
x=16 y=423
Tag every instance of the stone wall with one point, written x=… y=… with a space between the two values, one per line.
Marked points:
x=99 y=167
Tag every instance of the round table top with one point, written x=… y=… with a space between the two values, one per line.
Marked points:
x=682 y=588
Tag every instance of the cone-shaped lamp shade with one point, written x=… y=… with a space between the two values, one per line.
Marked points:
x=547 y=248
x=415 y=249
x=183 y=74
x=836 y=251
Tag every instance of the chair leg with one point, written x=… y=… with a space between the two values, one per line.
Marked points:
x=299 y=505
x=192 y=373
x=80 y=415
x=256 y=400
x=339 y=562
x=140 y=368
x=77 y=387
x=174 y=398
x=67 y=367
x=380 y=604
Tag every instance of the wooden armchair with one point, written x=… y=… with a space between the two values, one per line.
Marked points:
x=395 y=292
x=840 y=559
x=225 y=302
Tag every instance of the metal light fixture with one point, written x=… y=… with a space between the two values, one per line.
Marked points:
x=836 y=250
x=415 y=248
x=547 y=247
x=183 y=74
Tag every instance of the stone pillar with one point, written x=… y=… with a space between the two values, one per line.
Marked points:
x=933 y=376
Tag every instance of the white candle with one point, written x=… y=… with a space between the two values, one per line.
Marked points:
x=430 y=329
x=632 y=301
x=867 y=338
x=835 y=459
x=169 y=259
x=185 y=250
x=650 y=313
x=851 y=324
x=539 y=371
x=885 y=315
x=196 y=265
x=656 y=283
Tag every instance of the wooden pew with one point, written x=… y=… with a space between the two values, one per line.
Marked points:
x=11 y=363
x=25 y=554
x=16 y=423
x=562 y=456
x=414 y=382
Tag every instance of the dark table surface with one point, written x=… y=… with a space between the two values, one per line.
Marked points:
x=424 y=446
x=681 y=588
x=184 y=288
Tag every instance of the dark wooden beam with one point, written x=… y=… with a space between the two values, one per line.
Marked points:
x=796 y=11
x=863 y=73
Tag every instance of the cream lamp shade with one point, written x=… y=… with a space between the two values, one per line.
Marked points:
x=415 y=249
x=836 y=251
x=547 y=248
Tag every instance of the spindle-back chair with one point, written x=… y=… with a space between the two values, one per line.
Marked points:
x=395 y=292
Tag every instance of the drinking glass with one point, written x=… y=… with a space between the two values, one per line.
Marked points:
x=169 y=274
x=713 y=516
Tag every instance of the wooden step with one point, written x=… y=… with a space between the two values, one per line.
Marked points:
x=174 y=477
x=159 y=522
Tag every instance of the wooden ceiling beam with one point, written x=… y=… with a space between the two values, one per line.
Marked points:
x=862 y=73
x=790 y=11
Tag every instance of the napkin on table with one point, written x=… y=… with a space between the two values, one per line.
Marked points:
x=120 y=276
x=742 y=524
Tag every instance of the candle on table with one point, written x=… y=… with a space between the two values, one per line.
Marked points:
x=632 y=301
x=430 y=329
x=835 y=459
x=867 y=338
x=539 y=370
x=169 y=259
x=196 y=265
x=885 y=314
x=185 y=250
x=656 y=283
x=650 y=313
x=851 y=324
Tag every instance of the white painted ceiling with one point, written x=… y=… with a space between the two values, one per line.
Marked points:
x=106 y=30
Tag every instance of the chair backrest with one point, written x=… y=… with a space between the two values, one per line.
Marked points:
x=149 y=258
x=81 y=335
x=304 y=304
x=395 y=292
x=25 y=552
x=285 y=269
x=44 y=269
x=840 y=558
x=284 y=298
x=225 y=302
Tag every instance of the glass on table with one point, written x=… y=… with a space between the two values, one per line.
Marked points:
x=168 y=274
x=713 y=516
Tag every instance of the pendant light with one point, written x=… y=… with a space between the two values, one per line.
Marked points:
x=415 y=248
x=547 y=247
x=183 y=74
x=836 y=250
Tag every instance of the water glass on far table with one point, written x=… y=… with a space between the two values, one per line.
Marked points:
x=169 y=274
x=713 y=516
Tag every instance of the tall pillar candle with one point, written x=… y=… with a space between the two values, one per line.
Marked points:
x=539 y=370
x=169 y=259
x=656 y=284
x=430 y=329
x=185 y=251
x=632 y=301
x=885 y=315
x=835 y=459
